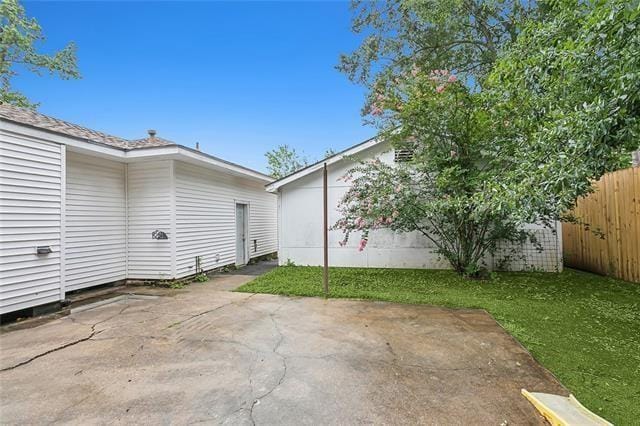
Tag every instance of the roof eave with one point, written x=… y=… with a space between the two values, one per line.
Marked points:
x=276 y=185
x=180 y=152
x=90 y=147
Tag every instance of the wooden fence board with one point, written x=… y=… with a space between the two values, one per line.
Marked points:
x=610 y=243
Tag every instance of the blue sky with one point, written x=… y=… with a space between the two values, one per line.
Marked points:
x=240 y=78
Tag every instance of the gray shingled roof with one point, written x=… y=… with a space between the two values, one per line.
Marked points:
x=41 y=121
x=149 y=142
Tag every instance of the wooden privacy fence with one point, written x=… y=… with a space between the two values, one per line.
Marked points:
x=611 y=244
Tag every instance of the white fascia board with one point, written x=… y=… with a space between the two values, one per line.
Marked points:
x=275 y=186
x=178 y=152
x=96 y=150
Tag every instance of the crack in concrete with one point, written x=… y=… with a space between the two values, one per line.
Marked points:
x=93 y=333
x=56 y=349
x=284 y=364
x=208 y=311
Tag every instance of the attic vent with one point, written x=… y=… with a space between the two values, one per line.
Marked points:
x=403 y=155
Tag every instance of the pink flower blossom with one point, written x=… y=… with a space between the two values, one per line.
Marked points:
x=362 y=245
x=452 y=78
x=389 y=220
x=440 y=89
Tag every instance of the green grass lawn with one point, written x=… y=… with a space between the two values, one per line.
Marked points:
x=583 y=327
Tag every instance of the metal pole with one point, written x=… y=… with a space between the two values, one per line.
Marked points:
x=325 y=232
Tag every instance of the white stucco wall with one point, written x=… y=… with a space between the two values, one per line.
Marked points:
x=301 y=227
x=300 y=222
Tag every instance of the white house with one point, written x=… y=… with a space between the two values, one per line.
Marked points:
x=80 y=208
x=300 y=224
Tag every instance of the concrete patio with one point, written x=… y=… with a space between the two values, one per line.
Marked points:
x=207 y=355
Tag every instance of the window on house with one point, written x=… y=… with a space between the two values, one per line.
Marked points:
x=403 y=155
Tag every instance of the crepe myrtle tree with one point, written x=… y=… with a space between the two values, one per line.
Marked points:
x=442 y=192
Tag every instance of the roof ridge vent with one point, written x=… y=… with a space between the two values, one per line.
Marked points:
x=152 y=133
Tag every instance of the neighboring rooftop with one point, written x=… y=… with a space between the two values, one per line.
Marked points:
x=41 y=121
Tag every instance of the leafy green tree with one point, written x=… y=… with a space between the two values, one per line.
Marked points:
x=421 y=106
x=329 y=152
x=559 y=107
x=569 y=90
x=18 y=37
x=442 y=191
x=461 y=35
x=284 y=160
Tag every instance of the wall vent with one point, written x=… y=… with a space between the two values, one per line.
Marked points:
x=403 y=155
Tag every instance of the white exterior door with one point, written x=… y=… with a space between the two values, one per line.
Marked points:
x=241 y=234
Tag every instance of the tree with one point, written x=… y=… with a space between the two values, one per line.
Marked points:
x=559 y=107
x=569 y=87
x=421 y=106
x=329 y=152
x=442 y=191
x=284 y=160
x=462 y=35
x=18 y=36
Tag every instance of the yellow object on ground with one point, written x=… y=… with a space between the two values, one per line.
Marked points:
x=563 y=411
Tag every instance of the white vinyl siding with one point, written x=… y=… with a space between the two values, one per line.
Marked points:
x=205 y=218
x=30 y=212
x=98 y=216
x=95 y=232
x=149 y=209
